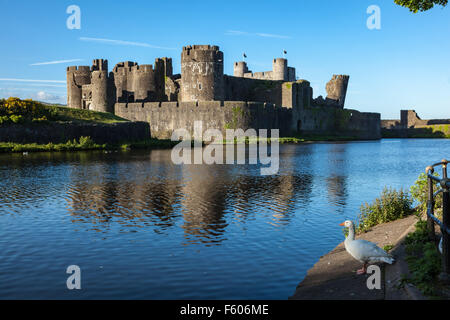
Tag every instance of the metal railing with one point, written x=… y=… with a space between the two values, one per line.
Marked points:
x=444 y=186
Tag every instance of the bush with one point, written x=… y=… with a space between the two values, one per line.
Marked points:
x=390 y=206
x=419 y=193
x=4 y=119
x=424 y=260
x=16 y=118
x=86 y=143
x=19 y=111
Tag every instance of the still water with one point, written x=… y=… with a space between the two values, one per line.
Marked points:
x=140 y=227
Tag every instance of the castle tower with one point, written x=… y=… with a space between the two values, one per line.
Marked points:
x=168 y=70
x=280 y=69
x=76 y=77
x=337 y=89
x=143 y=83
x=100 y=65
x=123 y=81
x=240 y=68
x=99 y=88
x=161 y=67
x=202 y=73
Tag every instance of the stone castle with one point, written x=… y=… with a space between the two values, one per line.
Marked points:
x=260 y=100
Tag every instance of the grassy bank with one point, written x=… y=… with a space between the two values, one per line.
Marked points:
x=83 y=144
x=440 y=131
x=15 y=110
x=86 y=143
x=65 y=114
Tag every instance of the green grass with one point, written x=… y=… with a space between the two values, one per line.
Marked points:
x=424 y=261
x=64 y=114
x=27 y=112
x=441 y=131
x=84 y=143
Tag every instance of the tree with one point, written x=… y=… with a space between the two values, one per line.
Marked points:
x=420 y=5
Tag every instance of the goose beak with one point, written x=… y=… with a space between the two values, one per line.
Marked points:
x=342 y=224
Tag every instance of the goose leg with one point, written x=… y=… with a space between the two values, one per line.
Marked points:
x=363 y=270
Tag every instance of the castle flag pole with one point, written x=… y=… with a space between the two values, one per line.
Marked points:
x=244 y=56
x=284 y=54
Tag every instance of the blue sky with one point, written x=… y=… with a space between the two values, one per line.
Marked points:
x=405 y=64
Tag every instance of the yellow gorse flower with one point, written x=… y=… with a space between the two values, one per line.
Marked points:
x=27 y=108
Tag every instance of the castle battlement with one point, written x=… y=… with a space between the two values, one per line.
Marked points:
x=280 y=71
x=79 y=68
x=142 y=68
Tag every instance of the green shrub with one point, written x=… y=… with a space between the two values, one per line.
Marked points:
x=390 y=206
x=86 y=143
x=424 y=260
x=4 y=119
x=419 y=193
x=16 y=118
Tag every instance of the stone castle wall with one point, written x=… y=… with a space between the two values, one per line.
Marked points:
x=202 y=92
x=165 y=117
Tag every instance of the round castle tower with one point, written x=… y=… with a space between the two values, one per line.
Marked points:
x=280 y=69
x=240 y=68
x=143 y=82
x=76 y=77
x=202 y=73
x=99 y=85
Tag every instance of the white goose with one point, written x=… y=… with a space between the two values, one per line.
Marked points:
x=364 y=251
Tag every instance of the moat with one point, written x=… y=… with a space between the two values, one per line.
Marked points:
x=140 y=227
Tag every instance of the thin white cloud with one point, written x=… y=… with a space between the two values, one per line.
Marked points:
x=46 y=96
x=258 y=34
x=236 y=33
x=268 y=35
x=32 y=80
x=28 y=89
x=53 y=97
x=46 y=85
x=55 y=62
x=124 y=43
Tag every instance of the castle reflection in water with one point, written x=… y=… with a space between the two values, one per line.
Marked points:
x=106 y=191
x=202 y=199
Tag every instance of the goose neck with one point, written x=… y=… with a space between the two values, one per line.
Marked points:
x=351 y=233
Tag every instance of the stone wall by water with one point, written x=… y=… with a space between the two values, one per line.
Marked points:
x=165 y=117
x=54 y=132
